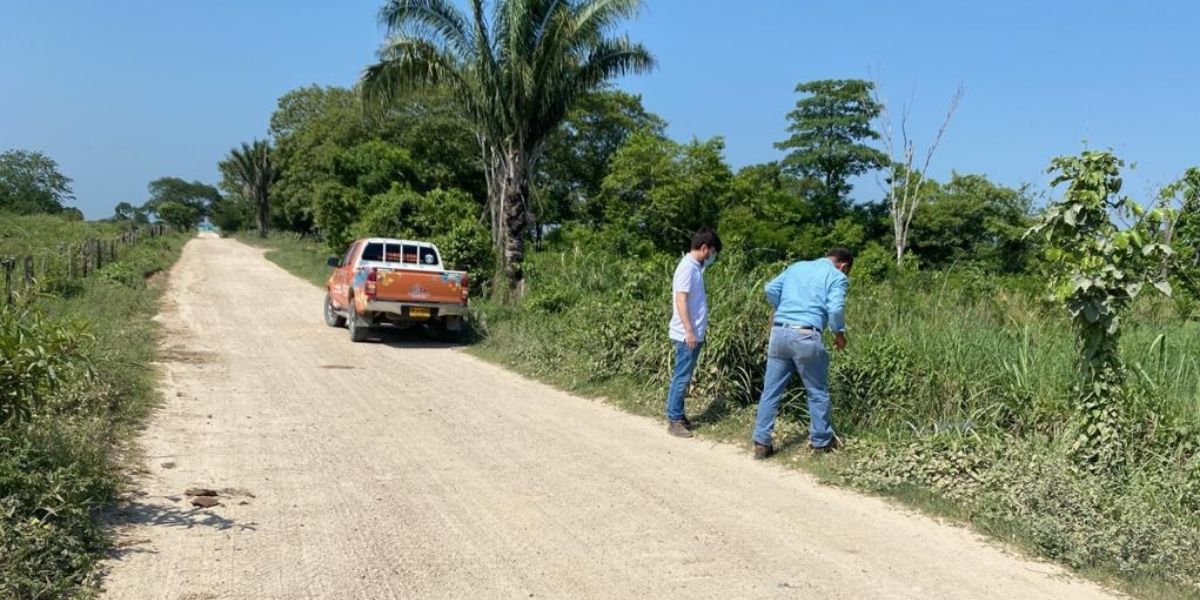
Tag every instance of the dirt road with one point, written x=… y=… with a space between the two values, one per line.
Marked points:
x=402 y=470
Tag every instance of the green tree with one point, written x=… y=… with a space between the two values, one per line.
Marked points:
x=664 y=191
x=310 y=127
x=253 y=168
x=192 y=194
x=356 y=175
x=516 y=77
x=124 y=211
x=314 y=127
x=178 y=215
x=1097 y=269
x=577 y=154
x=232 y=213
x=434 y=130
x=447 y=218
x=830 y=131
x=30 y=182
x=763 y=220
x=972 y=220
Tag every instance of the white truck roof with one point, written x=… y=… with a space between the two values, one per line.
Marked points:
x=399 y=241
x=433 y=266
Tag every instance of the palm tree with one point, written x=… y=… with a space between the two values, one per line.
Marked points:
x=251 y=168
x=516 y=73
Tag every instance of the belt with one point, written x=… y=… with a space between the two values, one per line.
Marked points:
x=795 y=326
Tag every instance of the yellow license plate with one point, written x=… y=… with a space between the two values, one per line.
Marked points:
x=418 y=313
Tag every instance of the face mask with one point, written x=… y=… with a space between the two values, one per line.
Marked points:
x=710 y=260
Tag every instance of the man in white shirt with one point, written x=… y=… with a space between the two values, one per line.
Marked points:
x=689 y=320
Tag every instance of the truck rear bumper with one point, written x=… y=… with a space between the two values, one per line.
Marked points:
x=402 y=309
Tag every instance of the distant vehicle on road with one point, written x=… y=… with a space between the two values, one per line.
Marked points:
x=401 y=283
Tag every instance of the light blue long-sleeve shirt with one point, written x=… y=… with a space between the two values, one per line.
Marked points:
x=810 y=293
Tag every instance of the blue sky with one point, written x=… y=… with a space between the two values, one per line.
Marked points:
x=125 y=91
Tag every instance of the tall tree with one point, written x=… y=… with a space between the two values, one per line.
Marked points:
x=664 y=191
x=516 y=77
x=253 y=168
x=906 y=186
x=31 y=183
x=830 y=133
x=178 y=215
x=192 y=194
x=124 y=211
x=577 y=154
x=310 y=126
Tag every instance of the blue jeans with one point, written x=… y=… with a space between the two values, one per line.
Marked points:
x=685 y=363
x=792 y=351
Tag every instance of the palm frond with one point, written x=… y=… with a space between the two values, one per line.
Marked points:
x=595 y=18
x=407 y=64
x=438 y=21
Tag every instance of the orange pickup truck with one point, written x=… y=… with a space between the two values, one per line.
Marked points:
x=395 y=282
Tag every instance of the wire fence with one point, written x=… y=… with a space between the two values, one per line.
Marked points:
x=67 y=261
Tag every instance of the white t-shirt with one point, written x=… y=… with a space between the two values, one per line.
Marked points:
x=689 y=277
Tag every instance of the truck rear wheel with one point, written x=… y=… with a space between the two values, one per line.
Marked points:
x=332 y=318
x=448 y=329
x=359 y=329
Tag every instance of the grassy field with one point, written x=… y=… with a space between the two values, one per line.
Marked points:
x=77 y=383
x=953 y=397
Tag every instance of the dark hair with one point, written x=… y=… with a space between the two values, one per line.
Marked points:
x=706 y=237
x=842 y=255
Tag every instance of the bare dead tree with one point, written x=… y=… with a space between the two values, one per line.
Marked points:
x=903 y=184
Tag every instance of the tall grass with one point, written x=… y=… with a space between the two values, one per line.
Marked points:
x=60 y=461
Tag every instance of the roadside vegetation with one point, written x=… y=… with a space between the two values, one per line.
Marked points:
x=75 y=384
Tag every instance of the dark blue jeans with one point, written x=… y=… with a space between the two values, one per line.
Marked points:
x=685 y=363
x=796 y=351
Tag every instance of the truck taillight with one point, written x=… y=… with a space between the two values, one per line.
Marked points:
x=372 y=275
x=466 y=288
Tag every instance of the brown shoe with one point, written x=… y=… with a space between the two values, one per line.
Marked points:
x=763 y=451
x=833 y=444
x=678 y=429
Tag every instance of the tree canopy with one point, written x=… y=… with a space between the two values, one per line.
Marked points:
x=830 y=134
x=30 y=182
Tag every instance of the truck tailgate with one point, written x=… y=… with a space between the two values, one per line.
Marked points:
x=404 y=285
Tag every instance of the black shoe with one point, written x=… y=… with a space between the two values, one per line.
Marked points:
x=763 y=451
x=686 y=423
x=678 y=429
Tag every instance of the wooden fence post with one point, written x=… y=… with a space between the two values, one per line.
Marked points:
x=8 y=287
x=29 y=269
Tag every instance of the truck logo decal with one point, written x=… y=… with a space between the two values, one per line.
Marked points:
x=418 y=291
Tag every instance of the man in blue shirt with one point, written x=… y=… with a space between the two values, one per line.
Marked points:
x=809 y=297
